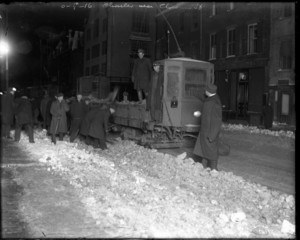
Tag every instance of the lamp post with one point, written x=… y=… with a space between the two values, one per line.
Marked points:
x=4 y=50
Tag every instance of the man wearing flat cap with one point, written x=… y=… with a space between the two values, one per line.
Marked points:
x=141 y=74
x=206 y=146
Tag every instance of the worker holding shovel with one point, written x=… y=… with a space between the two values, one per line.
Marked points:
x=59 y=118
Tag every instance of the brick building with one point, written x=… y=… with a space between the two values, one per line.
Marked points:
x=282 y=62
x=237 y=38
x=113 y=34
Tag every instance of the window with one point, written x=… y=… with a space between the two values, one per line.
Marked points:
x=95 y=69
x=213 y=9
x=285 y=61
x=181 y=22
x=96 y=28
x=287 y=11
x=105 y=25
x=195 y=19
x=230 y=6
x=252 y=38
x=213 y=46
x=103 y=68
x=88 y=54
x=87 y=71
x=231 y=42
x=104 y=47
x=95 y=51
x=195 y=82
x=88 y=34
x=140 y=21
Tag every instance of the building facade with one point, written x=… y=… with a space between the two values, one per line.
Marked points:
x=113 y=34
x=237 y=37
x=282 y=62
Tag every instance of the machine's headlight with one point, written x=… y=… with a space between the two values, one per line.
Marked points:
x=197 y=114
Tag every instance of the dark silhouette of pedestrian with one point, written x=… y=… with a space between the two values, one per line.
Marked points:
x=7 y=108
x=43 y=108
x=59 y=118
x=99 y=126
x=78 y=110
x=24 y=118
x=211 y=121
x=155 y=93
x=268 y=116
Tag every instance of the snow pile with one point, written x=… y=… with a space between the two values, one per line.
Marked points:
x=135 y=192
x=255 y=130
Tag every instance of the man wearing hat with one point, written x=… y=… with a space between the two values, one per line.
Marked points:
x=59 y=118
x=154 y=96
x=24 y=117
x=206 y=146
x=78 y=109
x=141 y=74
x=7 y=108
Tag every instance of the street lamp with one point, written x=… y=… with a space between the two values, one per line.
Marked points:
x=4 y=50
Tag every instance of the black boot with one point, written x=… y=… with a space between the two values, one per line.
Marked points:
x=53 y=138
x=213 y=164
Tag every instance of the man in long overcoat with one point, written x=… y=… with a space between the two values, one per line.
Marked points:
x=141 y=74
x=48 y=115
x=7 y=108
x=86 y=122
x=211 y=122
x=59 y=118
x=43 y=109
x=78 y=110
x=99 y=126
x=155 y=93
x=24 y=117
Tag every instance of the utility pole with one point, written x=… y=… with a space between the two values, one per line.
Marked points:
x=168 y=32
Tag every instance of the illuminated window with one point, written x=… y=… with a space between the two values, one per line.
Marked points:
x=252 y=38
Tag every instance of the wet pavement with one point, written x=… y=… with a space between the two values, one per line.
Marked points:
x=37 y=203
x=12 y=224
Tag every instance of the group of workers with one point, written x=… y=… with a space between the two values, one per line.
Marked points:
x=91 y=123
x=88 y=121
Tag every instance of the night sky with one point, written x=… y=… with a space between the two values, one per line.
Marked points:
x=25 y=24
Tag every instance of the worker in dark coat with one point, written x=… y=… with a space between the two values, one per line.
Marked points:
x=43 y=108
x=7 y=108
x=24 y=117
x=211 y=121
x=59 y=118
x=48 y=115
x=155 y=93
x=99 y=126
x=86 y=122
x=268 y=114
x=141 y=74
x=78 y=110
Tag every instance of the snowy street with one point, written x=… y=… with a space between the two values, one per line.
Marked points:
x=130 y=191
